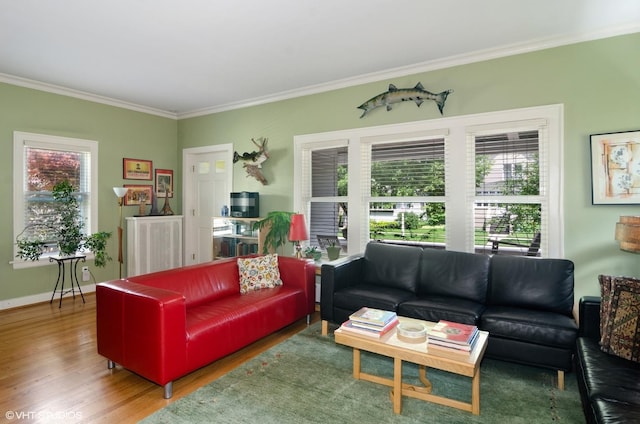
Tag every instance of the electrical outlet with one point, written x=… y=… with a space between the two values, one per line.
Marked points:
x=86 y=275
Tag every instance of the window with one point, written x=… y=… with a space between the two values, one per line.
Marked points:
x=485 y=183
x=507 y=167
x=406 y=190
x=41 y=161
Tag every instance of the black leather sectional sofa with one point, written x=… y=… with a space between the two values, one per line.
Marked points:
x=526 y=304
x=609 y=385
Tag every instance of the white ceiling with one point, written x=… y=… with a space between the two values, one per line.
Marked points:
x=189 y=57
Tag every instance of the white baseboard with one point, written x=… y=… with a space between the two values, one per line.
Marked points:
x=37 y=298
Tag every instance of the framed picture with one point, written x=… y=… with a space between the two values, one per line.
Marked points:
x=615 y=168
x=136 y=169
x=138 y=194
x=164 y=183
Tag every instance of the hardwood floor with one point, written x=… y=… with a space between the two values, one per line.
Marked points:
x=50 y=368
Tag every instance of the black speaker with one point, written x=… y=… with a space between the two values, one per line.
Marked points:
x=245 y=204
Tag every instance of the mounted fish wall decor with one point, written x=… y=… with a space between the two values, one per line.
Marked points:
x=252 y=162
x=396 y=95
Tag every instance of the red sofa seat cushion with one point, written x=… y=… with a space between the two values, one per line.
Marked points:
x=219 y=328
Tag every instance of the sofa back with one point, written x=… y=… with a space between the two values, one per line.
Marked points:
x=454 y=274
x=534 y=283
x=198 y=283
x=391 y=265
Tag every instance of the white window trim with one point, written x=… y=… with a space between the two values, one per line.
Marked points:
x=457 y=131
x=20 y=139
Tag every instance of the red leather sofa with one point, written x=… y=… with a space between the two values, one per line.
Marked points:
x=166 y=324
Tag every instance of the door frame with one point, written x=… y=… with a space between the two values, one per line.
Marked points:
x=188 y=180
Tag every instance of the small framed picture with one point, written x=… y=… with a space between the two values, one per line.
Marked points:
x=136 y=169
x=138 y=194
x=164 y=183
x=615 y=168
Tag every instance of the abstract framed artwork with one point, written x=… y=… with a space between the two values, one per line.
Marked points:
x=164 y=183
x=615 y=168
x=138 y=194
x=136 y=169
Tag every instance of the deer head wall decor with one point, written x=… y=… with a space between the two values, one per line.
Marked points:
x=252 y=162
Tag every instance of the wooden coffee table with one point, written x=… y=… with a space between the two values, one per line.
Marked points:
x=416 y=353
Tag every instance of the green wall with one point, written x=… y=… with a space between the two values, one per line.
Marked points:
x=119 y=132
x=596 y=81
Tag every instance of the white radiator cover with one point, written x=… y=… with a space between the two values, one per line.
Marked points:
x=154 y=243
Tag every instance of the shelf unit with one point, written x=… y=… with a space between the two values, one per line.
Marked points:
x=234 y=236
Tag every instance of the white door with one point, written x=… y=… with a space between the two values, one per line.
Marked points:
x=207 y=181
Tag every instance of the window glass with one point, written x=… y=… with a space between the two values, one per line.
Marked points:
x=507 y=165
x=329 y=181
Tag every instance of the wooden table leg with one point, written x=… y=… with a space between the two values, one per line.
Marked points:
x=475 y=393
x=423 y=378
x=397 y=385
x=356 y=364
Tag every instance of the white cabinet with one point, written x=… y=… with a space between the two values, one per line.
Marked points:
x=154 y=243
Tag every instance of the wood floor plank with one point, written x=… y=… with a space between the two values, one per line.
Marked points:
x=49 y=364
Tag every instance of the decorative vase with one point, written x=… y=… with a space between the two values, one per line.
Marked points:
x=333 y=252
x=166 y=209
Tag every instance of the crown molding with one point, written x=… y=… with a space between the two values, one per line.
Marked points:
x=457 y=60
x=83 y=95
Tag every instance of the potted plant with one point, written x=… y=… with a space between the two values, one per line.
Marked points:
x=276 y=224
x=333 y=251
x=67 y=228
x=312 y=252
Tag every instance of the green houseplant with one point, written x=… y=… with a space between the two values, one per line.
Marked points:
x=276 y=224
x=333 y=251
x=312 y=252
x=67 y=228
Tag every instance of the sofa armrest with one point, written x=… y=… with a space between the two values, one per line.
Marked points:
x=589 y=317
x=302 y=274
x=336 y=276
x=142 y=328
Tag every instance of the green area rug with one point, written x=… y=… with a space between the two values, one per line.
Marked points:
x=308 y=379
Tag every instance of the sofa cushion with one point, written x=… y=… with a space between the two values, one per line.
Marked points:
x=532 y=283
x=435 y=308
x=453 y=274
x=607 y=376
x=614 y=411
x=539 y=327
x=259 y=273
x=620 y=313
x=373 y=296
x=605 y=306
x=221 y=327
x=392 y=266
x=199 y=283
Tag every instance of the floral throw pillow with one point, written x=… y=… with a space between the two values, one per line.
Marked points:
x=621 y=329
x=259 y=273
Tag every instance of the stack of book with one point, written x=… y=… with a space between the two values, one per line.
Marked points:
x=452 y=339
x=370 y=322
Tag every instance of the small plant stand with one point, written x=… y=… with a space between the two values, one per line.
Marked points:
x=73 y=275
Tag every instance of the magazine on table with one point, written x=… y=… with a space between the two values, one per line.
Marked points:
x=373 y=316
x=376 y=334
x=453 y=332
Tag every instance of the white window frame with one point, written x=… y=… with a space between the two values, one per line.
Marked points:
x=22 y=139
x=459 y=134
